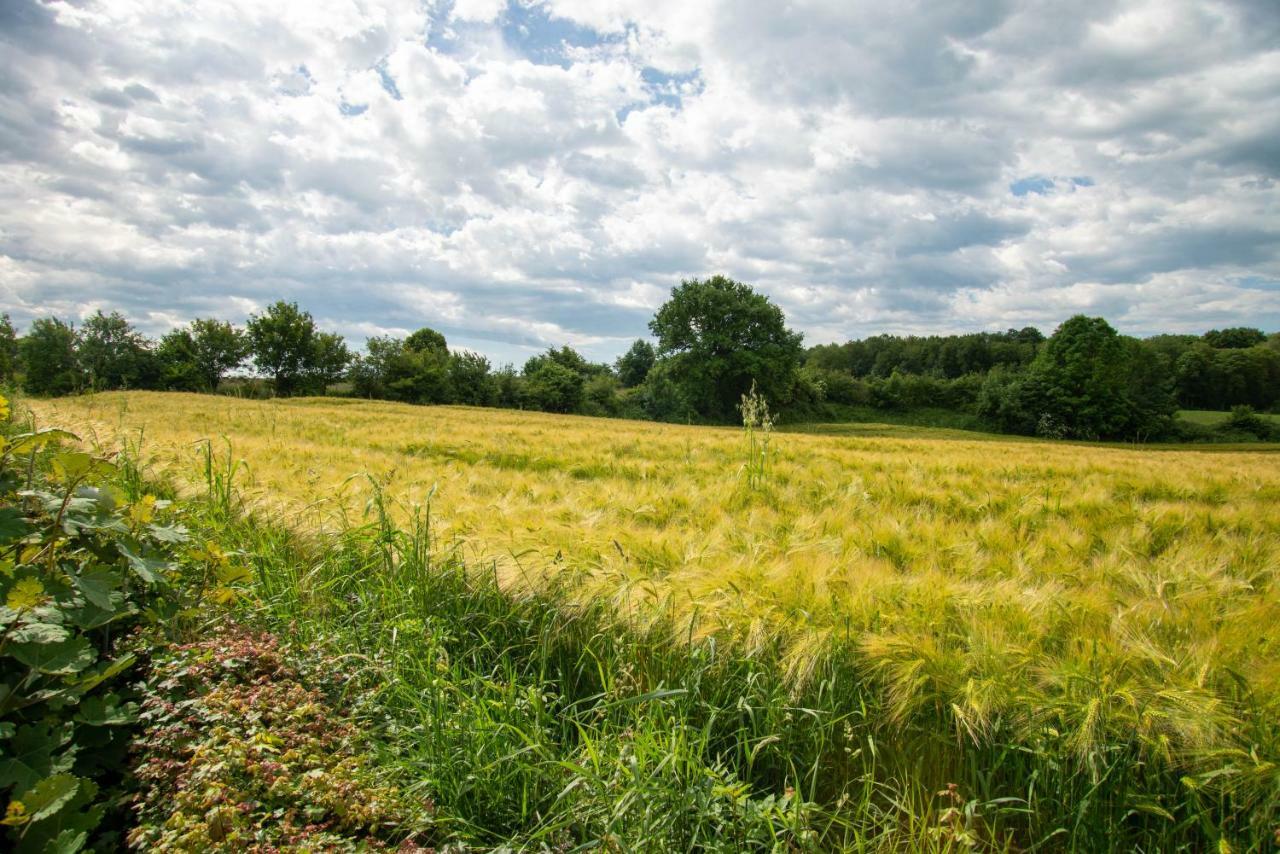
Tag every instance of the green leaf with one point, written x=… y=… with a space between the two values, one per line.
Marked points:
x=49 y=795
x=169 y=533
x=68 y=841
x=144 y=567
x=90 y=616
x=33 y=441
x=13 y=525
x=233 y=574
x=97 y=586
x=30 y=755
x=68 y=828
x=39 y=633
x=106 y=711
x=76 y=465
x=69 y=656
x=104 y=671
x=27 y=593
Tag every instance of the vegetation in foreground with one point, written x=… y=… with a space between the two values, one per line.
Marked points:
x=1080 y=639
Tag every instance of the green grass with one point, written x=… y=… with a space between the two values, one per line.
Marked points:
x=884 y=430
x=932 y=417
x=1209 y=418
x=529 y=723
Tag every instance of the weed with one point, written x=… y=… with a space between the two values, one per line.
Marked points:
x=757 y=425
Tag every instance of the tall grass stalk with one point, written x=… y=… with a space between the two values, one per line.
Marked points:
x=757 y=425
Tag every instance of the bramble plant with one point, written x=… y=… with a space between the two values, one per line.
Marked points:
x=81 y=563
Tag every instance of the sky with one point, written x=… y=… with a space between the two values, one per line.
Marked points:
x=533 y=173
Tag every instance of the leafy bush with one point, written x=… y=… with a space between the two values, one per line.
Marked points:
x=600 y=395
x=81 y=562
x=843 y=388
x=1244 y=420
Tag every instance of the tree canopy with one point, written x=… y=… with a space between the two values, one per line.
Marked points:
x=714 y=337
x=49 y=354
x=113 y=355
x=196 y=357
x=721 y=335
x=8 y=349
x=634 y=365
x=287 y=346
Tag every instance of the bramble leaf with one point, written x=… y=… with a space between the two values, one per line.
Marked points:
x=104 y=671
x=76 y=465
x=233 y=574
x=33 y=441
x=49 y=795
x=90 y=616
x=15 y=814
x=68 y=828
x=30 y=758
x=68 y=841
x=144 y=567
x=143 y=510
x=106 y=711
x=68 y=656
x=39 y=633
x=97 y=586
x=169 y=533
x=13 y=525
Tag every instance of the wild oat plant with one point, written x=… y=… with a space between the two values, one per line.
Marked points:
x=757 y=425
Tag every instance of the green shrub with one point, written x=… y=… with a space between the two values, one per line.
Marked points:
x=81 y=563
x=1244 y=419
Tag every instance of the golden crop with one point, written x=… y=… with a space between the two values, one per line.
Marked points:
x=1086 y=592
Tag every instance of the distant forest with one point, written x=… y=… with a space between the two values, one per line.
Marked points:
x=714 y=339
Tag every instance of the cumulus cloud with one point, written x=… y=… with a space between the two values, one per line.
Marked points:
x=536 y=172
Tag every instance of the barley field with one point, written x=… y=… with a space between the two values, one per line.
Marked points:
x=1084 y=601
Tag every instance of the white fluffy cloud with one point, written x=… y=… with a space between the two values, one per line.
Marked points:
x=522 y=174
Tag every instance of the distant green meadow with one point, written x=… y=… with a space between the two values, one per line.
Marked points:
x=1209 y=417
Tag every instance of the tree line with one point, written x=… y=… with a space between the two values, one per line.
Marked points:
x=712 y=340
x=714 y=337
x=1086 y=381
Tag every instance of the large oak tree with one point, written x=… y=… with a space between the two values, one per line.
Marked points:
x=718 y=336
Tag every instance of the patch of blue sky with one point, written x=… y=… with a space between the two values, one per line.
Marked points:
x=543 y=39
x=666 y=89
x=352 y=109
x=671 y=89
x=1258 y=283
x=1038 y=184
x=526 y=29
x=388 y=82
x=1042 y=185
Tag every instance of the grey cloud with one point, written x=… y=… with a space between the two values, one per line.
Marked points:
x=949 y=233
x=1177 y=248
